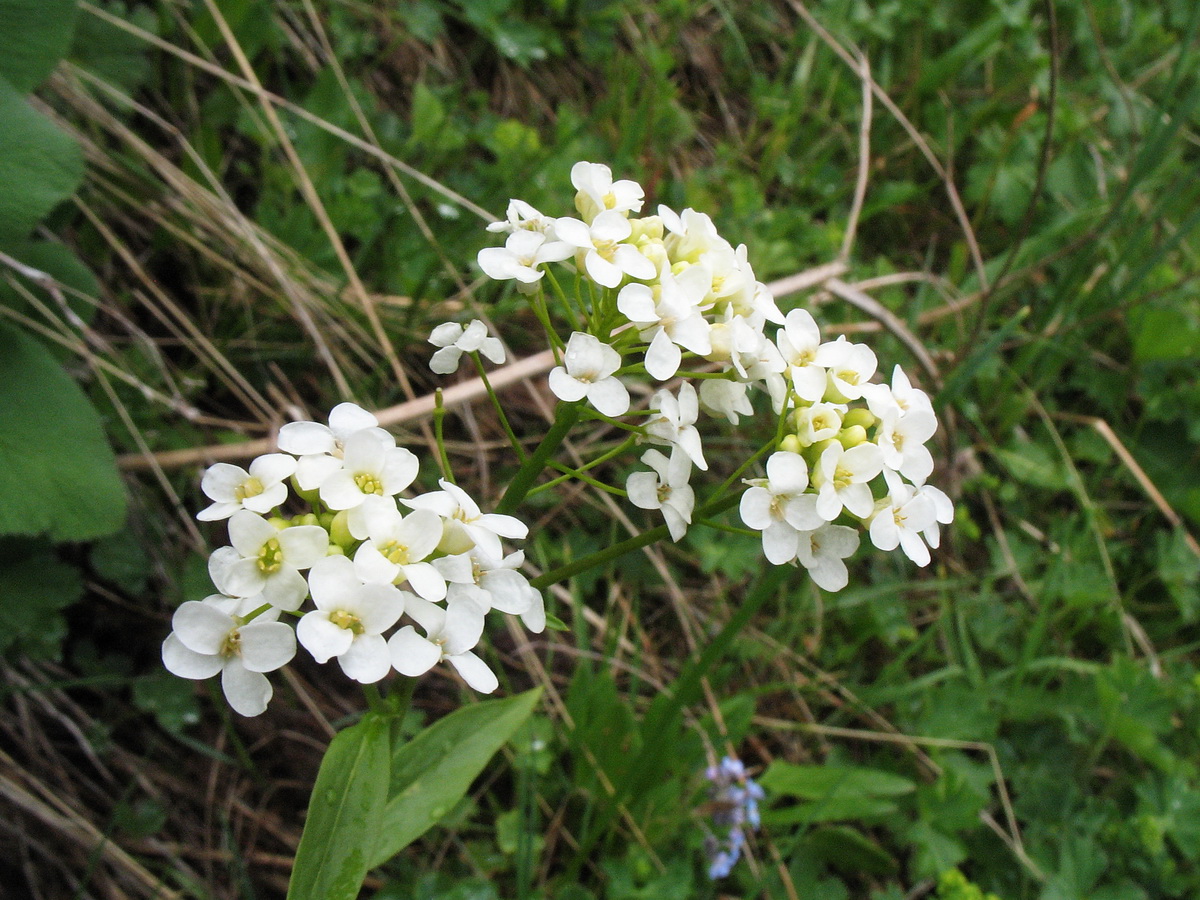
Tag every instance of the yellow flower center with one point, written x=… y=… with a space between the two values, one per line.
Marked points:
x=251 y=487
x=368 y=483
x=232 y=645
x=270 y=557
x=343 y=619
x=395 y=552
x=610 y=200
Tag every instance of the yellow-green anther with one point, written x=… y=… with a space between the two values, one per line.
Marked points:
x=251 y=487
x=395 y=552
x=270 y=557
x=368 y=483
x=343 y=619
x=232 y=645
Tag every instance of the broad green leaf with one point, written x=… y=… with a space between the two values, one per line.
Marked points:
x=57 y=261
x=35 y=34
x=58 y=475
x=35 y=585
x=820 y=782
x=40 y=165
x=344 y=814
x=850 y=851
x=834 y=808
x=435 y=769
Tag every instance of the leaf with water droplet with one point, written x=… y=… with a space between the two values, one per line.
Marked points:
x=344 y=815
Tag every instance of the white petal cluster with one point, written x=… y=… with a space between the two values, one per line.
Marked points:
x=362 y=559
x=453 y=341
x=666 y=293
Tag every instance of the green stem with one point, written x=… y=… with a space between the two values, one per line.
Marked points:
x=512 y=438
x=564 y=417
x=616 y=451
x=608 y=554
x=439 y=413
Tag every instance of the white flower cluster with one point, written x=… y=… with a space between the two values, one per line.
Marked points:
x=667 y=289
x=349 y=554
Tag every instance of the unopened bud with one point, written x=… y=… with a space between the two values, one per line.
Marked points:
x=279 y=523
x=791 y=444
x=339 y=530
x=860 y=415
x=852 y=436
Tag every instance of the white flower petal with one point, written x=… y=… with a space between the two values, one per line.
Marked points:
x=367 y=660
x=286 y=589
x=321 y=637
x=412 y=654
x=247 y=692
x=474 y=671
x=201 y=627
x=303 y=438
x=185 y=663
x=609 y=396
x=267 y=645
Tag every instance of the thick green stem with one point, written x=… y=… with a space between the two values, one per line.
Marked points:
x=565 y=417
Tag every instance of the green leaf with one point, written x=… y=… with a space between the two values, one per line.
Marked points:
x=435 y=769
x=34 y=587
x=35 y=34
x=40 y=165
x=344 y=815
x=57 y=261
x=58 y=475
x=819 y=782
x=834 y=808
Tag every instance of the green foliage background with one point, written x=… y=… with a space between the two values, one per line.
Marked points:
x=168 y=281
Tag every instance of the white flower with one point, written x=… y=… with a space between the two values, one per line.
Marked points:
x=740 y=342
x=209 y=637
x=668 y=316
x=320 y=447
x=901 y=440
x=779 y=508
x=822 y=552
x=605 y=258
x=463 y=517
x=396 y=546
x=520 y=216
x=798 y=341
x=943 y=513
x=598 y=192
x=675 y=422
x=303 y=438
x=848 y=366
x=899 y=520
x=267 y=560
x=450 y=634
x=901 y=396
x=520 y=257
x=723 y=397
x=349 y=620
x=490 y=582
x=666 y=489
x=370 y=466
x=588 y=372
x=232 y=488
x=841 y=477
x=690 y=235
x=818 y=422
x=456 y=340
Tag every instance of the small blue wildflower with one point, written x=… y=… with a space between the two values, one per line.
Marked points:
x=734 y=805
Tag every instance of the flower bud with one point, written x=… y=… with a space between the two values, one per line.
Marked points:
x=852 y=436
x=791 y=444
x=339 y=530
x=859 y=416
x=279 y=523
x=309 y=497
